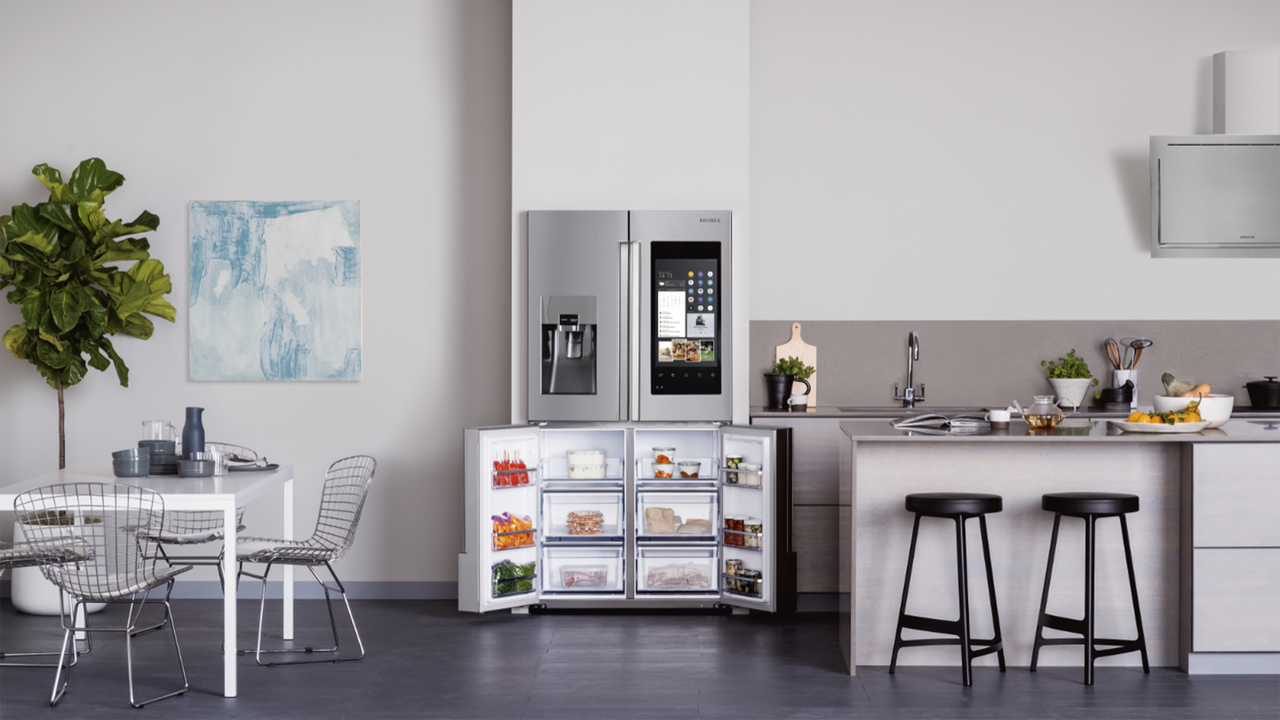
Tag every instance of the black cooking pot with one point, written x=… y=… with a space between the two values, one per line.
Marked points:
x=1264 y=394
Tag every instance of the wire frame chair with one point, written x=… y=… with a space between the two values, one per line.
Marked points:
x=121 y=568
x=346 y=485
x=36 y=554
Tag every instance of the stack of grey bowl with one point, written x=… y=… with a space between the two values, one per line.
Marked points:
x=132 y=462
x=164 y=457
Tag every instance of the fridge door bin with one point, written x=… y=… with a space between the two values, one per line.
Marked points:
x=511 y=578
x=582 y=570
x=676 y=516
x=744 y=585
x=569 y=515
x=690 y=569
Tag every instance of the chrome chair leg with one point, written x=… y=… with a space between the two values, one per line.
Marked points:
x=128 y=644
x=62 y=609
x=262 y=608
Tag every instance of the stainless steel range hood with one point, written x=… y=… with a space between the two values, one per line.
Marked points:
x=1215 y=196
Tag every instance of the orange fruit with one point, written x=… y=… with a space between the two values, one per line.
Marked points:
x=1138 y=417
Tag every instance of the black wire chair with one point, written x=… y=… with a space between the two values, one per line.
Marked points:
x=346 y=485
x=120 y=569
x=30 y=554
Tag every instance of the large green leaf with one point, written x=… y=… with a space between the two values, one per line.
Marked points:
x=150 y=284
x=50 y=177
x=138 y=326
x=97 y=360
x=55 y=356
x=122 y=370
x=29 y=228
x=162 y=309
x=34 y=308
x=91 y=175
x=74 y=372
x=65 y=306
x=17 y=341
x=63 y=215
x=118 y=251
x=146 y=222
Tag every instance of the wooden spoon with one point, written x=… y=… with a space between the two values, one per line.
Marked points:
x=1137 y=355
x=1113 y=352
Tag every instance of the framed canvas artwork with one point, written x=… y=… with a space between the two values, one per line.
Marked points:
x=275 y=291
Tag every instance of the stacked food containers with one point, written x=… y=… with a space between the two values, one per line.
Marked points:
x=607 y=515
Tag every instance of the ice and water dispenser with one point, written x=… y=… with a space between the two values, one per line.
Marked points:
x=568 y=345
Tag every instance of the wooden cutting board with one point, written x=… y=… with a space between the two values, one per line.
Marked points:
x=808 y=354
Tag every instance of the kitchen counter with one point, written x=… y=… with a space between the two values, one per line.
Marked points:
x=839 y=411
x=1206 y=540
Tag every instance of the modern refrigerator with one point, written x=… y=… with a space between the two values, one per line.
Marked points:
x=583 y=515
x=630 y=316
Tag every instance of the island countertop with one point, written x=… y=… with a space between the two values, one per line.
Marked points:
x=1070 y=431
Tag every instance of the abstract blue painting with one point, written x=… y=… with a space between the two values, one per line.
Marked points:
x=275 y=291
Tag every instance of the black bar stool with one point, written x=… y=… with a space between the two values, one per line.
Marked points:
x=1089 y=506
x=958 y=507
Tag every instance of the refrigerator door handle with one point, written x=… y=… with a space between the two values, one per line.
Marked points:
x=636 y=358
x=624 y=332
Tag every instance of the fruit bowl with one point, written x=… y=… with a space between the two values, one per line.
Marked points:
x=1214 y=409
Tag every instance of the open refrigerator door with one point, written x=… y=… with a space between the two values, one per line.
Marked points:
x=754 y=533
x=500 y=568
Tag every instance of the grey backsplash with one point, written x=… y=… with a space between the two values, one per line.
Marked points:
x=989 y=363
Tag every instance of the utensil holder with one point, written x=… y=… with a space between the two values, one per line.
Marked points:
x=1118 y=378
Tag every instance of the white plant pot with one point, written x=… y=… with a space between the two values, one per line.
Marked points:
x=31 y=593
x=1070 y=391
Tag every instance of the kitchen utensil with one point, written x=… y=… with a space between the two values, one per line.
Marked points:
x=1138 y=345
x=1113 y=353
x=1264 y=394
x=808 y=354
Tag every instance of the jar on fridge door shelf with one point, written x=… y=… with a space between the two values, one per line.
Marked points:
x=733 y=524
x=732 y=462
x=754 y=530
x=752 y=477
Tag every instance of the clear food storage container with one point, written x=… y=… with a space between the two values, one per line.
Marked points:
x=510 y=578
x=664 y=455
x=677 y=569
x=582 y=516
x=689 y=468
x=582 y=458
x=575 y=569
x=677 y=515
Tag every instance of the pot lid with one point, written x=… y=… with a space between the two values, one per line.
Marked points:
x=1270 y=380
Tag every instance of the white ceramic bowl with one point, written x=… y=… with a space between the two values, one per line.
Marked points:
x=1214 y=409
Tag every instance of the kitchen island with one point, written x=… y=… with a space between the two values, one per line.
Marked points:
x=1206 y=540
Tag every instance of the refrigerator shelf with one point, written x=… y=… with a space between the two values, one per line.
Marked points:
x=740 y=539
x=583 y=539
x=507 y=587
x=734 y=584
x=502 y=478
x=530 y=533
x=734 y=477
x=682 y=539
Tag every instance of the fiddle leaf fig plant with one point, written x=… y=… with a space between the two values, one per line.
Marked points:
x=59 y=258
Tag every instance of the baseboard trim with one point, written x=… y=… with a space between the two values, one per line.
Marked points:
x=1232 y=663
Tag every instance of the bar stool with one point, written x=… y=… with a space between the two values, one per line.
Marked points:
x=958 y=507
x=1089 y=506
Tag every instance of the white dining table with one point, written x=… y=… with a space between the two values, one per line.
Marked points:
x=224 y=494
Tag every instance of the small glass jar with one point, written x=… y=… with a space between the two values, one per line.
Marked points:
x=689 y=468
x=749 y=478
x=754 y=530
x=733 y=567
x=735 y=523
x=749 y=582
x=663 y=470
x=664 y=455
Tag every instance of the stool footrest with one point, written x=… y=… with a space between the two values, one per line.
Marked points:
x=915 y=622
x=1122 y=646
x=1057 y=622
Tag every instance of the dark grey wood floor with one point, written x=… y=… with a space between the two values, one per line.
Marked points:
x=425 y=659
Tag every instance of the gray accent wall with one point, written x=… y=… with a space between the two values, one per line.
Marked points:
x=988 y=363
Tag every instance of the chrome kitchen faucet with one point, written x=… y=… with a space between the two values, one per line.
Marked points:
x=909 y=398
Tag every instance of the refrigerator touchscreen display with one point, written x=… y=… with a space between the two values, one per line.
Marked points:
x=686 y=318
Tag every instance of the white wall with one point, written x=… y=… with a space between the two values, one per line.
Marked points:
x=936 y=160
x=401 y=104
x=633 y=105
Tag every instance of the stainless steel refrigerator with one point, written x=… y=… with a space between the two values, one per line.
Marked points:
x=583 y=515
x=630 y=315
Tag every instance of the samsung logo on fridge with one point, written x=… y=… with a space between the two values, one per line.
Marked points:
x=708 y=220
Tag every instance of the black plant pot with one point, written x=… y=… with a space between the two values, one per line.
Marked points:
x=777 y=387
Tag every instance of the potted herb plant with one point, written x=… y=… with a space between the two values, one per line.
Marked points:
x=782 y=376
x=60 y=259
x=1069 y=377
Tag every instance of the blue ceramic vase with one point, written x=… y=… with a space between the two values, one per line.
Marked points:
x=193 y=433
